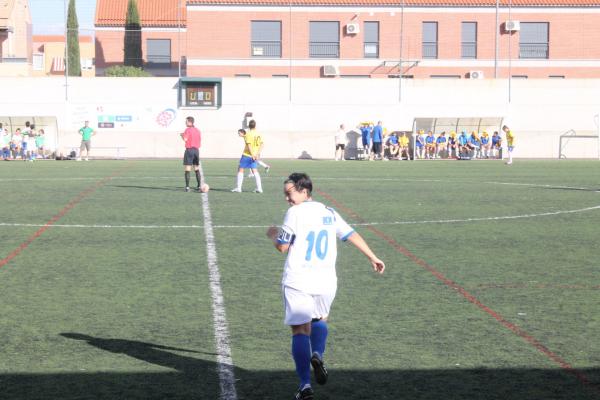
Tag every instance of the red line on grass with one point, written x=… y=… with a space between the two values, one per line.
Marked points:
x=471 y=298
x=55 y=218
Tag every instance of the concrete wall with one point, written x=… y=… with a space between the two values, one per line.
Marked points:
x=301 y=116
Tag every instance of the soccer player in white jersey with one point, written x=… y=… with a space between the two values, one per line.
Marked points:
x=309 y=283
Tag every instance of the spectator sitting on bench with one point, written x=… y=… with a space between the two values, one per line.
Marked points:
x=441 y=143
x=496 y=145
x=475 y=145
x=452 y=145
x=429 y=145
x=420 y=143
x=404 y=145
x=393 y=146
x=463 y=145
x=485 y=144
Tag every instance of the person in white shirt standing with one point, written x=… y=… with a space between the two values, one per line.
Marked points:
x=340 y=143
x=309 y=284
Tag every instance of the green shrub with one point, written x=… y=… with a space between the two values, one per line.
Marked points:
x=122 y=70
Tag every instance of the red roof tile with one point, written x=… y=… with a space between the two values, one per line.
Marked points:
x=156 y=13
x=408 y=3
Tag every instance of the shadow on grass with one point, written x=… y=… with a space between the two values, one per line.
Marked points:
x=167 y=188
x=194 y=378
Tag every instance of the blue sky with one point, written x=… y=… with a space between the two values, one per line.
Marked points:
x=49 y=16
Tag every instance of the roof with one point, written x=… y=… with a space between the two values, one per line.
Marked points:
x=58 y=38
x=153 y=13
x=408 y=3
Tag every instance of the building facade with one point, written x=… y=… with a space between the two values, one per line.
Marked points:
x=15 y=38
x=471 y=39
x=49 y=55
x=163 y=29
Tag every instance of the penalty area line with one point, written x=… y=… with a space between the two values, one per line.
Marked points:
x=222 y=340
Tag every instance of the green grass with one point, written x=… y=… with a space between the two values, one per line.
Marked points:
x=114 y=302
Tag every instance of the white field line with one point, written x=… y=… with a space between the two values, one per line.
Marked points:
x=323 y=178
x=439 y=221
x=223 y=343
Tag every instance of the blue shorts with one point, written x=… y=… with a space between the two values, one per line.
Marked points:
x=248 y=162
x=511 y=148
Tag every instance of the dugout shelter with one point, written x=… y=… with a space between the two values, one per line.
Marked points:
x=445 y=124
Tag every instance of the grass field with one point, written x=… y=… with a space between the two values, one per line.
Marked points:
x=491 y=290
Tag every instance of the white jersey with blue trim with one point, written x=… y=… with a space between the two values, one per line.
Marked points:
x=311 y=229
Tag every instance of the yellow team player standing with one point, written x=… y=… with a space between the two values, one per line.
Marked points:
x=252 y=148
x=510 y=143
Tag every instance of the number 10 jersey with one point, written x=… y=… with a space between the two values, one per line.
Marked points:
x=311 y=229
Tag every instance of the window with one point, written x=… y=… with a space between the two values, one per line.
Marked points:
x=87 y=63
x=324 y=39
x=158 y=51
x=533 y=40
x=266 y=39
x=469 y=40
x=371 y=35
x=38 y=62
x=430 y=37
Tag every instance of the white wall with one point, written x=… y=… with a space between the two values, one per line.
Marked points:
x=303 y=115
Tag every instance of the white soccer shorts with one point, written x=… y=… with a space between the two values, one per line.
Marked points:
x=301 y=307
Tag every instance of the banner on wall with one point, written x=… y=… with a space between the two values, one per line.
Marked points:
x=123 y=118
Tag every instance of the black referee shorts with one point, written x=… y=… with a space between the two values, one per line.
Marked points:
x=191 y=156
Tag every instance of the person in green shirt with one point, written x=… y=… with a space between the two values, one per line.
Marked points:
x=39 y=143
x=86 y=140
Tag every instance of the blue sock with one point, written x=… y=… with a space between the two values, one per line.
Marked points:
x=318 y=336
x=301 y=353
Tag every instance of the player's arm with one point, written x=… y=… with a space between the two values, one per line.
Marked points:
x=275 y=234
x=360 y=244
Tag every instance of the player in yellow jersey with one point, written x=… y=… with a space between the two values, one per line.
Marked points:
x=252 y=147
x=510 y=143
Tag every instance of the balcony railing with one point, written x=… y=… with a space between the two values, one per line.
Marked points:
x=324 y=49
x=469 y=50
x=266 y=49
x=430 y=50
x=371 y=49
x=533 y=50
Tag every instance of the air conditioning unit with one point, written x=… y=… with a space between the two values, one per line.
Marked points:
x=352 y=29
x=512 y=26
x=476 y=74
x=330 y=70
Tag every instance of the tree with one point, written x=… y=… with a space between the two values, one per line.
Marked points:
x=73 y=57
x=133 y=36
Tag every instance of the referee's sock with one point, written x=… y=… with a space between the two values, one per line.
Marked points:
x=301 y=353
x=318 y=336
x=198 y=177
x=187 y=178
